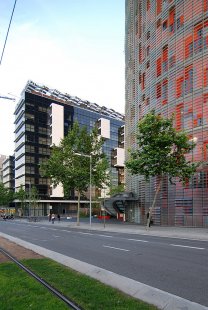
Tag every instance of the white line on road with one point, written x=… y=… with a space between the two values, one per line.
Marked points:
x=186 y=246
x=137 y=240
x=56 y=236
x=82 y=233
x=105 y=236
x=111 y=247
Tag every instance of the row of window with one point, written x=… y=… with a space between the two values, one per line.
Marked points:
x=184 y=83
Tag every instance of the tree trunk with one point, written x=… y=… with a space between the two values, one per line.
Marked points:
x=78 y=208
x=153 y=203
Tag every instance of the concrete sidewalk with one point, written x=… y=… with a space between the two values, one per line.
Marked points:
x=170 y=232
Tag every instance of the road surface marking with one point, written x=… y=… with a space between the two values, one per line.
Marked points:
x=105 y=236
x=137 y=240
x=82 y=233
x=186 y=246
x=56 y=236
x=111 y=247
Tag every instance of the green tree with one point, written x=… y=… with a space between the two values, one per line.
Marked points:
x=116 y=189
x=161 y=152
x=73 y=171
x=21 y=195
x=6 y=195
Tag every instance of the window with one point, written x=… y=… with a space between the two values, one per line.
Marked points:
x=148 y=50
x=205 y=5
x=158 y=68
x=179 y=116
x=188 y=46
x=30 y=127
x=206 y=76
x=44 y=150
x=165 y=58
x=148 y=5
x=30 y=170
x=198 y=38
x=140 y=53
x=140 y=77
x=148 y=35
x=147 y=101
x=179 y=86
x=180 y=22
x=197 y=120
x=164 y=91
x=42 y=130
x=158 y=23
x=205 y=149
x=172 y=61
x=42 y=140
x=158 y=90
x=29 y=116
x=42 y=109
x=188 y=80
x=165 y=24
x=143 y=81
x=172 y=20
x=29 y=159
x=159 y=6
x=29 y=149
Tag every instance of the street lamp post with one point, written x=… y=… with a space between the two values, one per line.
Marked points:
x=90 y=157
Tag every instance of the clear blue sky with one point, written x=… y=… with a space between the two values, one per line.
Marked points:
x=75 y=46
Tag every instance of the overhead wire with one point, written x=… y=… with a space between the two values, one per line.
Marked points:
x=8 y=32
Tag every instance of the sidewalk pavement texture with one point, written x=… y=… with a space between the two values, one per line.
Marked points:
x=161 y=299
x=191 y=233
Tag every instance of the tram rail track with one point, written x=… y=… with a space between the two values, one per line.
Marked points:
x=50 y=288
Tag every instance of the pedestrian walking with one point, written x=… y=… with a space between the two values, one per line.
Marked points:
x=53 y=218
x=149 y=218
x=58 y=216
x=49 y=217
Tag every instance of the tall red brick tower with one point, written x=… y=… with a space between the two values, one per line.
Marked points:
x=166 y=50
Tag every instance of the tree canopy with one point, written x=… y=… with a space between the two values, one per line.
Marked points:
x=69 y=163
x=6 y=195
x=161 y=150
x=21 y=195
x=116 y=189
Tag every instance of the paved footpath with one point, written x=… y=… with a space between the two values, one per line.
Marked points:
x=159 y=298
x=172 y=232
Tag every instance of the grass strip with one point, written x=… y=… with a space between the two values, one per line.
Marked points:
x=89 y=293
x=19 y=291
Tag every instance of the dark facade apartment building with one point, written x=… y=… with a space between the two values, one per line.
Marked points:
x=8 y=172
x=2 y=158
x=166 y=50
x=43 y=117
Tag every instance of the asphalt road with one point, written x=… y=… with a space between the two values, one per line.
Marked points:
x=177 y=266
